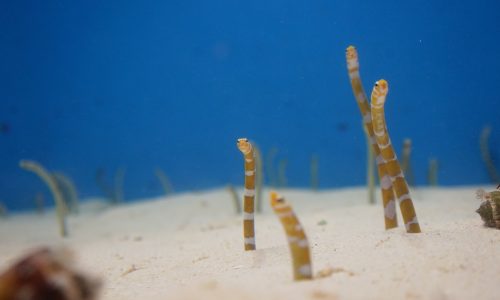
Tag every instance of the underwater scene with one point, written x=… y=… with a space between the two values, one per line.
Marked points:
x=260 y=150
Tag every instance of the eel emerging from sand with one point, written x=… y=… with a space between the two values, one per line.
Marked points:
x=61 y=208
x=249 y=193
x=401 y=189
x=388 y=200
x=297 y=240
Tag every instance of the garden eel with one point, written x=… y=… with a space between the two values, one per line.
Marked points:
x=249 y=193
x=297 y=240
x=388 y=200
x=378 y=97
x=61 y=208
x=67 y=188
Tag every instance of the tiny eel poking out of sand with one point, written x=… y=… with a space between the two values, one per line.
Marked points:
x=61 y=208
x=388 y=201
x=398 y=180
x=249 y=194
x=297 y=240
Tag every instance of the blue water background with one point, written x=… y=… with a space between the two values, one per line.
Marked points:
x=172 y=84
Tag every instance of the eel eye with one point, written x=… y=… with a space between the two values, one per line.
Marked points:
x=376 y=83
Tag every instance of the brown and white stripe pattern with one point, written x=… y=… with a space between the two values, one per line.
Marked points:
x=249 y=193
x=378 y=97
x=385 y=182
x=297 y=240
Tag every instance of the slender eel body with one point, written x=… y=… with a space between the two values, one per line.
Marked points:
x=378 y=97
x=61 y=208
x=249 y=193
x=486 y=154
x=68 y=189
x=164 y=181
x=406 y=162
x=297 y=240
x=385 y=181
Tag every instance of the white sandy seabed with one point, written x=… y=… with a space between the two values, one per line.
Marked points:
x=190 y=246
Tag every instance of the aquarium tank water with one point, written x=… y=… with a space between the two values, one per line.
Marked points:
x=121 y=90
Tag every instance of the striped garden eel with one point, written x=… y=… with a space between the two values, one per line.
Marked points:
x=388 y=200
x=249 y=193
x=378 y=97
x=297 y=240
x=61 y=208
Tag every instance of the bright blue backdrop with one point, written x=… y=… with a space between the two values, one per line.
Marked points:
x=139 y=84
